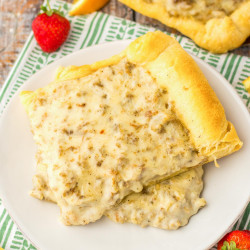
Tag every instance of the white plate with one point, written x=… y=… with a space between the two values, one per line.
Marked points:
x=226 y=189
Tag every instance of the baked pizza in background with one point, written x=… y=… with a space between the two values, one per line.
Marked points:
x=216 y=25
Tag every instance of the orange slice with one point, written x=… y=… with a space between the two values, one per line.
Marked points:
x=81 y=7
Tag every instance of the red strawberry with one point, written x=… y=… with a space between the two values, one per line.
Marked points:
x=235 y=240
x=50 y=28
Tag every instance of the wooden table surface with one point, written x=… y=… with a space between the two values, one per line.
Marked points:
x=26 y=11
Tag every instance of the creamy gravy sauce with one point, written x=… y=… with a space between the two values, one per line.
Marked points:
x=202 y=10
x=167 y=205
x=104 y=136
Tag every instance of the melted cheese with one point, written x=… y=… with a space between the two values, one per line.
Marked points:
x=104 y=136
x=202 y=10
x=167 y=205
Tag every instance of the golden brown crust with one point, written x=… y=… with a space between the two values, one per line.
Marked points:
x=196 y=104
x=217 y=35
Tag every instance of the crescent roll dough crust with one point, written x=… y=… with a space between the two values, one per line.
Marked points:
x=108 y=129
x=218 y=34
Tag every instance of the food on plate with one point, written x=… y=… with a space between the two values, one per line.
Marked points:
x=167 y=205
x=81 y=7
x=109 y=129
x=235 y=240
x=50 y=28
x=246 y=83
x=215 y=25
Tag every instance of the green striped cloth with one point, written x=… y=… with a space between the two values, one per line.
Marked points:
x=100 y=28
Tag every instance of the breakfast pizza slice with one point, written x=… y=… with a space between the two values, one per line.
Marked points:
x=166 y=205
x=216 y=25
x=111 y=128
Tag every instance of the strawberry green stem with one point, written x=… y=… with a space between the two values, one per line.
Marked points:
x=47 y=9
